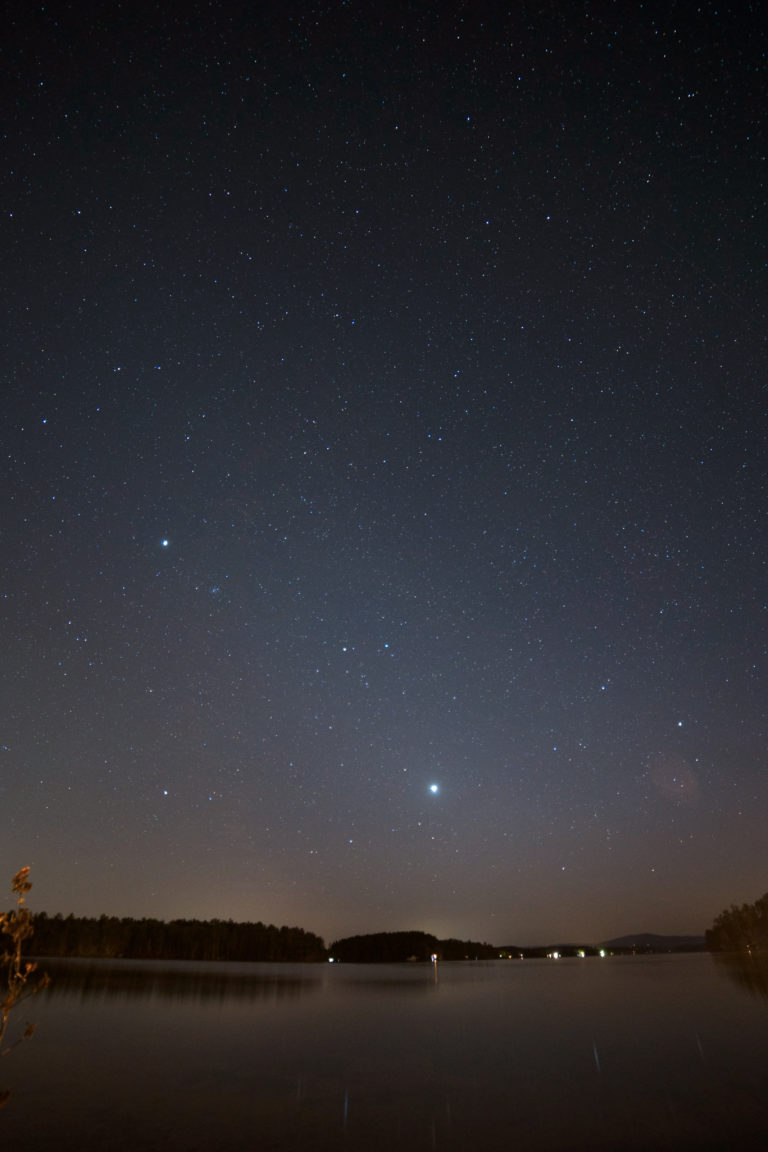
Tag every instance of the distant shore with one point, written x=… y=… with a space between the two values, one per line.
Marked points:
x=116 y=938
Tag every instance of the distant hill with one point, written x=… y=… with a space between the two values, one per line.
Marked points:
x=394 y=947
x=642 y=942
x=648 y=942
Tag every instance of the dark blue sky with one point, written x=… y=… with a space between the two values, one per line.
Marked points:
x=385 y=408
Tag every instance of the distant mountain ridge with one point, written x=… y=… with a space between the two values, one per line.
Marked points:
x=649 y=941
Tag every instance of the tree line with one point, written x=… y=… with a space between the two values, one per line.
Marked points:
x=123 y=938
x=395 y=947
x=741 y=929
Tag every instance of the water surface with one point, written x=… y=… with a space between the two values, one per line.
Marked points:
x=658 y=1052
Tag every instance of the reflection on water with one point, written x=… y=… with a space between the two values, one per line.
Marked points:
x=749 y=972
x=653 y=1052
x=186 y=980
x=190 y=981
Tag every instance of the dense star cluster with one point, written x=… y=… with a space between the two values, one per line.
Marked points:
x=384 y=465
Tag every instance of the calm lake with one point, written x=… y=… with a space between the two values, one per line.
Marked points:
x=657 y=1052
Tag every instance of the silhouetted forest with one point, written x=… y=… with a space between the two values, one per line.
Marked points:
x=123 y=938
x=743 y=929
x=394 y=947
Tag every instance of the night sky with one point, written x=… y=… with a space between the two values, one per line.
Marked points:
x=384 y=464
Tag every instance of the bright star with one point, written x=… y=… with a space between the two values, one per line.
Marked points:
x=164 y=543
x=434 y=788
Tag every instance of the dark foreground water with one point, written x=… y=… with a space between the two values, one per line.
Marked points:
x=662 y=1052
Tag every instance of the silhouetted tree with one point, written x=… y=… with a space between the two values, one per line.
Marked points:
x=112 y=937
x=394 y=947
x=741 y=929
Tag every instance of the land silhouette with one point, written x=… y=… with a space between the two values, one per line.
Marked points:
x=125 y=938
x=742 y=928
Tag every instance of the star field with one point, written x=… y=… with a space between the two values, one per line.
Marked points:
x=384 y=465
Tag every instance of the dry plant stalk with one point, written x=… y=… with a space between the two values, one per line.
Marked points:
x=20 y=984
